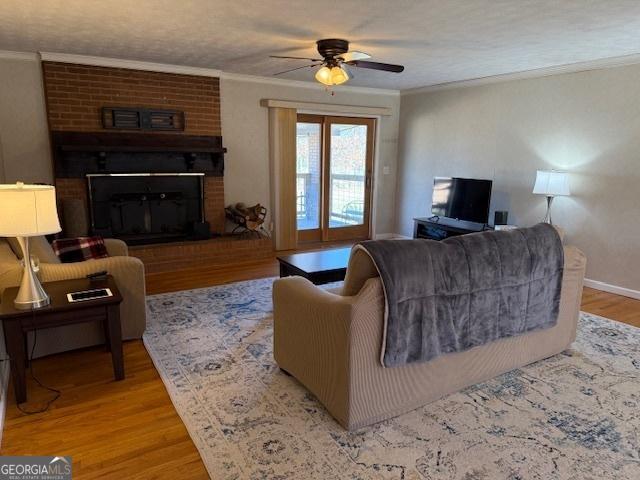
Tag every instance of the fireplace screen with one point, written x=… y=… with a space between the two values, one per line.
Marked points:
x=146 y=208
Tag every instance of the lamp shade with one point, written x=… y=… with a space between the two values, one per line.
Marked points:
x=28 y=210
x=551 y=183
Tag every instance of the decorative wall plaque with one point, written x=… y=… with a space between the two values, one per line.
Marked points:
x=131 y=118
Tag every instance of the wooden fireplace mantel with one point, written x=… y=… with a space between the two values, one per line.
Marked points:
x=76 y=154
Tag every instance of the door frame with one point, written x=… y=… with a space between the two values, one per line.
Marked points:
x=315 y=234
x=356 y=232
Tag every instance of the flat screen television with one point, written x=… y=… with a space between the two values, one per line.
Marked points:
x=461 y=198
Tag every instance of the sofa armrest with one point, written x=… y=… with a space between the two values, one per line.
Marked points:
x=10 y=274
x=129 y=276
x=299 y=306
x=311 y=339
x=303 y=289
x=116 y=248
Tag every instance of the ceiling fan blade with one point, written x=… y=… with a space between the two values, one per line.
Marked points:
x=387 y=67
x=297 y=58
x=349 y=71
x=354 y=55
x=297 y=68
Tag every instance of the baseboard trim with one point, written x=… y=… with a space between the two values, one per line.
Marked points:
x=389 y=236
x=383 y=236
x=4 y=391
x=606 y=287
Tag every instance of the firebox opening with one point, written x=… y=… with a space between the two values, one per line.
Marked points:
x=142 y=208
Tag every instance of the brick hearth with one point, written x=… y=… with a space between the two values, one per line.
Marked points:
x=217 y=251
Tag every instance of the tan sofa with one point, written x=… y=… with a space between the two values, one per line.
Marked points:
x=127 y=271
x=331 y=342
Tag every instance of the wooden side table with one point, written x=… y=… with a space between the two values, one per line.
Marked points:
x=60 y=312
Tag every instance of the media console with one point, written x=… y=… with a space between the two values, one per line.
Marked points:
x=432 y=229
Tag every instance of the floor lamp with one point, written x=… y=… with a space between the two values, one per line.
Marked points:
x=28 y=211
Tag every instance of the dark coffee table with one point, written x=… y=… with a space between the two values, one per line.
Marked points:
x=320 y=267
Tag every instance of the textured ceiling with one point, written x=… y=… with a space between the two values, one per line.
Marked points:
x=438 y=41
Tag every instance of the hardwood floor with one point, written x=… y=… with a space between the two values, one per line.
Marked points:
x=208 y=276
x=130 y=429
x=615 y=307
x=126 y=429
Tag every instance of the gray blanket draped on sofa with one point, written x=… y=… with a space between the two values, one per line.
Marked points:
x=466 y=291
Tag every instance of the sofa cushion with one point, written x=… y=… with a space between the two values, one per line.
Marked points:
x=79 y=249
x=6 y=252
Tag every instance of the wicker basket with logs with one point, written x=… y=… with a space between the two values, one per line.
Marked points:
x=247 y=219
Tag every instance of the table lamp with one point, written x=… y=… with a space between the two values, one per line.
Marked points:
x=551 y=183
x=28 y=211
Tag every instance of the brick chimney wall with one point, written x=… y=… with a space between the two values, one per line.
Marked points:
x=75 y=95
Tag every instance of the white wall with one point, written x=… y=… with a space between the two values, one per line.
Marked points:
x=24 y=135
x=245 y=132
x=24 y=146
x=587 y=123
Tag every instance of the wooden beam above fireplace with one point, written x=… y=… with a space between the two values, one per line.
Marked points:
x=77 y=154
x=138 y=142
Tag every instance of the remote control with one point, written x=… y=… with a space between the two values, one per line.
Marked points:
x=103 y=273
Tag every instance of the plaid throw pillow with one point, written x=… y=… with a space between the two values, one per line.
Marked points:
x=79 y=249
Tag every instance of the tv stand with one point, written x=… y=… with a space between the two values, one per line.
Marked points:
x=431 y=228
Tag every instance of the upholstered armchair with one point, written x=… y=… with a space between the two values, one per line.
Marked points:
x=127 y=271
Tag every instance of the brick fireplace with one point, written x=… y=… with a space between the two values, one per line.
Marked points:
x=77 y=97
x=76 y=94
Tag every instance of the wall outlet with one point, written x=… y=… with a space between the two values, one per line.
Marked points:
x=386 y=170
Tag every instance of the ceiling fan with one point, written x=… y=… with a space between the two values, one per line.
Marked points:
x=336 y=61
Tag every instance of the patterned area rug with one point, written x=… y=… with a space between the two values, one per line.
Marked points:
x=573 y=416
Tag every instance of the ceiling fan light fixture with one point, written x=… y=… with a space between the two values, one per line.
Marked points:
x=332 y=75
x=339 y=75
x=324 y=75
x=336 y=61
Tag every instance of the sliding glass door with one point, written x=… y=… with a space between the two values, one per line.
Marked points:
x=309 y=175
x=333 y=173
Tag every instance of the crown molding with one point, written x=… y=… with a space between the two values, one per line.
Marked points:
x=199 y=71
x=603 y=63
x=302 y=84
x=7 y=54
x=599 y=64
x=130 y=64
